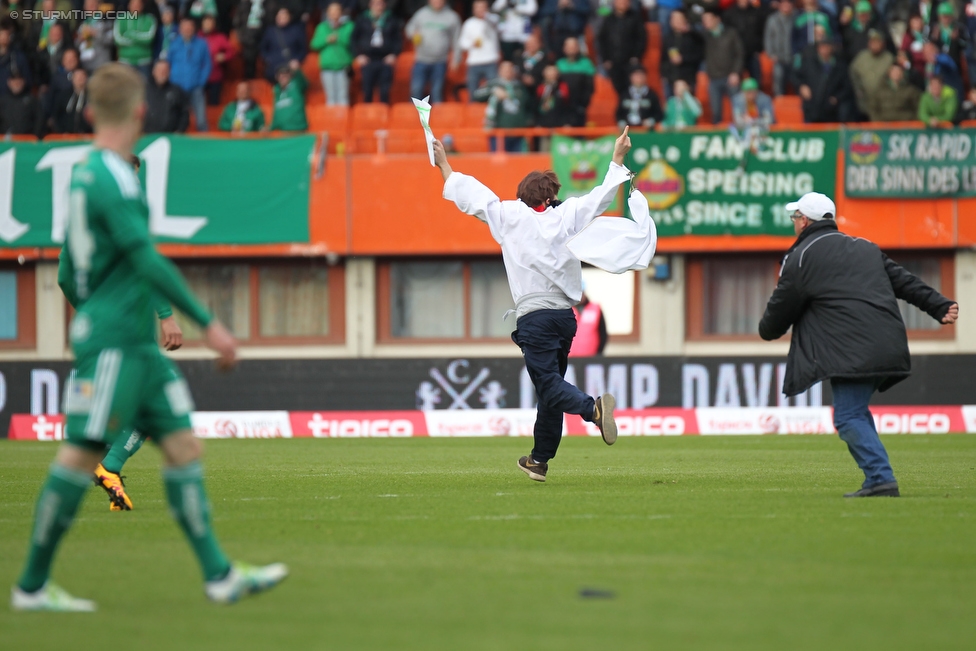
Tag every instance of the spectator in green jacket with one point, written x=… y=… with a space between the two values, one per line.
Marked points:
x=243 y=115
x=134 y=38
x=577 y=71
x=683 y=109
x=938 y=104
x=508 y=106
x=289 y=99
x=333 y=41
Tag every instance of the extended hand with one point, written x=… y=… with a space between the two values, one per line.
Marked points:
x=952 y=315
x=440 y=159
x=621 y=146
x=222 y=341
x=172 y=335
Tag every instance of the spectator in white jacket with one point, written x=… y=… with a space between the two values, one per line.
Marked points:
x=479 y=39
x=515 y=24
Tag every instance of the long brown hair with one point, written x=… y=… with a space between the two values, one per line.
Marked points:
x=539 y=187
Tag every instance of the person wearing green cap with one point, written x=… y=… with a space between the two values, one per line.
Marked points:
x=855 y=33
x=752 y=108
x=752 y=115
x=949 y=34
x=869 y=69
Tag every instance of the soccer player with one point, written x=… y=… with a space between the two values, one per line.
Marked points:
x=108 y=474
x=546 y=282
x=120 y=378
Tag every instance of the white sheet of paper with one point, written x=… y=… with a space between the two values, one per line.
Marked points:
x=423 y=108
x=616 y=244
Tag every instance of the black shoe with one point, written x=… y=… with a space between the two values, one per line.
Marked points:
x=535 y=471
x=603 y=417
x=878 y=490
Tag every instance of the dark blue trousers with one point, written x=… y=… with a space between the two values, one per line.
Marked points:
x=545 y=337
x=854 y=423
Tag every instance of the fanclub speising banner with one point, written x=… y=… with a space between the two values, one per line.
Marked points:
x=581 y=165
x=200 y=191
x=710 y=183
x=909 y=164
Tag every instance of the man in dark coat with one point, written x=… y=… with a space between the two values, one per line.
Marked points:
x=825 y=85
x=167 y=105
x=377 y=41
x=282 y=43
x=682 y=52
x=840 y=294
x=622 y=42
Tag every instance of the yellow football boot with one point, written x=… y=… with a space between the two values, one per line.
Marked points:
x=112 y=483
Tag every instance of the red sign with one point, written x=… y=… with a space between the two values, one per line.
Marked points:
x=24 y=427
x=640 y=422
x=358 y=424
x=918 y=420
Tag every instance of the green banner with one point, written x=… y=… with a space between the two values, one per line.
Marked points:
x=909 y=164
x=707 y=183
x=200 y=191
x=581 y=165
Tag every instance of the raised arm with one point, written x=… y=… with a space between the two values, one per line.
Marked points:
x=470 y=195
x=592 y=205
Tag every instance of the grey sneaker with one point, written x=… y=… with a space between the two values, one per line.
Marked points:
x=878 y=490
x=603 y=417
x=535 y=471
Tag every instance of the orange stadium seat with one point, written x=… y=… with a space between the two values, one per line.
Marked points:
x=370 y=116
x=448 y=115
x=602 y=113
x=470 y=141
x=788 y=109
x=403 y=115
x=406 y=141
x=333 y=119
x=474 y=114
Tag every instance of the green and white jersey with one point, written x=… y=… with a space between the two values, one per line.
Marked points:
x=109 y=268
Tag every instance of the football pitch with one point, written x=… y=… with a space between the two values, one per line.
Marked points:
x=655 y=543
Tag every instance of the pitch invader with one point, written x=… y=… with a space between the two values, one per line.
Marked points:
x=120 y=379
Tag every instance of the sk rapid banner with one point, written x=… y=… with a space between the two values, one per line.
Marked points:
x=200 y=191
x=710 y=184
x=581 y=165
x=909 y=164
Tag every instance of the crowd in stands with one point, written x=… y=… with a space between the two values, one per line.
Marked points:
x=532 y=62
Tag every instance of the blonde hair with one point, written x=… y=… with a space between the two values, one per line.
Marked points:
x=115 y=90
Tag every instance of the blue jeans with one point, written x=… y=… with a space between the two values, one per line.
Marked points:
x=485 y=71
x=545 y=337
x=854 y=423
x=428 y=73
x=512 y=144
x=717 y=89
x=664 y=19
x=198 y=103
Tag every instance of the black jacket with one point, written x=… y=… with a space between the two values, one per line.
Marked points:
x=750 y=24
x=691 y=47
x=20 y=115
x=70 y=117
x=639 y=105
x=826 y=82
x=840 y=295
x=362 y=36
x=167 y=108
x=623 y=39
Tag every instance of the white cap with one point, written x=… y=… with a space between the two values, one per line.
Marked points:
x=813 y=206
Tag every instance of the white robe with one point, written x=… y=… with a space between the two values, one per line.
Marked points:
x=542 y=270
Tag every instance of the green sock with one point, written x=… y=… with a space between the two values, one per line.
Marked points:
x=123 y=448
x=56 y=508
x=189 y=505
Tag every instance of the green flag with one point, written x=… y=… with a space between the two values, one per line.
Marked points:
x=581 y=165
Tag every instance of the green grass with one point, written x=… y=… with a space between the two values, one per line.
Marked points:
x=707 y=543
